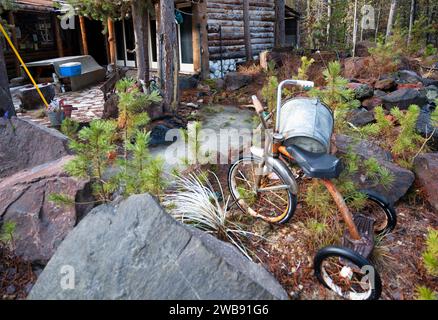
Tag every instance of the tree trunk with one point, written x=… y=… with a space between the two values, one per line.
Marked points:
x=411 y=21
x=246 y=30
x=6 y=104
x=329 y=18
x=391 y=18
x=83 y=35
x=112 y=43
x=168 y=56
x=141 y=32
x=355 y=28
x=280 y=34
x=378 y=22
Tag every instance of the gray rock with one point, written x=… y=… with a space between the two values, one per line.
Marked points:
x=135 y=250
x=30 y=99
x=40 y=224
x=425 y=126
x=236 y=80
x=362 y=117
x=188 y=82
x=24 y=144
x=406 y=76
x=403 y=178
x=426 y=171
x=403 y=98
x=379 y=93
x=430 y=82
x=431 y=93
x=363 y=91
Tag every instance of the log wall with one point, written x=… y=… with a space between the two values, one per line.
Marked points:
x=228 y=14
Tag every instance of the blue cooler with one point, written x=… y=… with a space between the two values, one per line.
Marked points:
x=70 y=69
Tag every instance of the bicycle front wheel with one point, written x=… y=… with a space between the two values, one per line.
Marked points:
x=271 y=200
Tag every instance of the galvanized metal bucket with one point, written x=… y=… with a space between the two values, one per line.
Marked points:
x=308 y=124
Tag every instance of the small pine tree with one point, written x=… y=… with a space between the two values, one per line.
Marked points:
x=303 y=70
x=132 y=103
x=69 y=127
x=141 y=173
x=337 y=95
x=269 y=93
x=408 y=141
x=92 y=148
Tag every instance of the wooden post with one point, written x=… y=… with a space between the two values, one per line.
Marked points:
x=196 y=39
x=83 y=36
x=141 y=31
x=11 y=21
x=200 y=40
x=169 y=56
x=247 y=31
x=280 y=15
x=5 y=94
x=112 y=42
x=59 y=45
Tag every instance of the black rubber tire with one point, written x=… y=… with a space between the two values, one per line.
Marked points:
x=347 y=254
x=293 y=201
x=387 y=207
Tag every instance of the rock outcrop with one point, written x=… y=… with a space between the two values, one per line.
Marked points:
x=403 y=178
x=41 y=225
x=426 y=171
x=135 y=250
x=24 y=144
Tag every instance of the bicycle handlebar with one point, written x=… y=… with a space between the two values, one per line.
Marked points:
x=300 y=83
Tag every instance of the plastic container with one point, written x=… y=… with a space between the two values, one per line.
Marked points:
x=308 y=124
x=71 y=69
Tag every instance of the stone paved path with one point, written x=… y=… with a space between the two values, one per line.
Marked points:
x=89 y=103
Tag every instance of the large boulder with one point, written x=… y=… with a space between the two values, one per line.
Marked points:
x=403 y=178
x=135 y=250
x=236 y=80
x=426 y=171
x=403 y=98
x=40 y=224
x=25 y=144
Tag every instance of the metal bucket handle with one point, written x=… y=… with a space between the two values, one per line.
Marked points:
x=300 y=83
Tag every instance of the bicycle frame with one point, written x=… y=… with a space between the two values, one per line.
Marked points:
x=337 y=197
x=277 y=149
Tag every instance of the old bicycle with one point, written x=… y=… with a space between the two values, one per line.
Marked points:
x=264 y=186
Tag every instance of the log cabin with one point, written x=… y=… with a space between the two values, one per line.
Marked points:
x=214 y=36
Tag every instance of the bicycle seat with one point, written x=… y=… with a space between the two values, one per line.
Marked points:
x=316 y=165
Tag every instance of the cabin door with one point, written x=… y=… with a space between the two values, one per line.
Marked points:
x=125 y=40
x=185 y=40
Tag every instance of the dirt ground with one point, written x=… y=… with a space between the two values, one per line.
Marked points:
x=288 y=252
